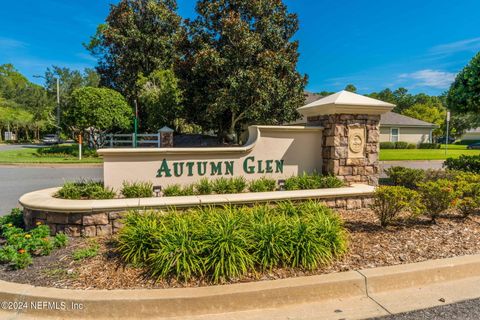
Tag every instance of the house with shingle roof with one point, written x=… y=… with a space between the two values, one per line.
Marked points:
x=393 y=126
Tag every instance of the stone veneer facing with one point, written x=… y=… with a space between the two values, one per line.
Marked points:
x=108 y=223
x=337 y=158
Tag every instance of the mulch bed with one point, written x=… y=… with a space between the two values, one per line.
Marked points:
x=369 y=246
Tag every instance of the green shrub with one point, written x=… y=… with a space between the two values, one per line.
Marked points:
x=15 y=218
x=204 y=186
x=389 y=202
x=464 y=163
x=223 y=186
x=412 y=146
x=225 y=243
x=21 y=260
x=87 y=189
x=429 y=146
x=437 y=197
x=387 y=145
x=401 y=145
x=137 y=189
x=88 y=252
x=262 y=185
x=67 y=151
x=405 y=177
x=331 y=182
x=313 y=181
x=469 y=195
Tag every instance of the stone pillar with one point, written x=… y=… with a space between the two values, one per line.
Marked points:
x=350 y=146
x=351 y=134
x=166 y=137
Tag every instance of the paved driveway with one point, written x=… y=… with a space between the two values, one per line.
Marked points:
x=5 y=147
x=420 y=164
x=17 y=180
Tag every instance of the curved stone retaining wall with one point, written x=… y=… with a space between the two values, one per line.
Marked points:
x=91 y=218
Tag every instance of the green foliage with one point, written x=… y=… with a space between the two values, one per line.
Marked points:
x=464 y=93
x=21 y=245
x=60 y=240
x=429 y=146
x=87 y=189
x=406 y=177
x=204 y=186
x=262 y=185
x=178 y=252
x=86 y=253
x=464 y=163
x=173 y=190
x=137 y=189
x=401 y=145
x=222 y=244
x=387 y=145
x=437 y=196
x=433 y=112
x=241 y=66
x=313 y=181
x=67 y=151
x=138 y=236
x=162 y=99
x=223 y=186
x=99 y=108
x=389 y=202
x=138 y=37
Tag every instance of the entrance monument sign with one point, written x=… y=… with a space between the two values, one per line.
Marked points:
x=341 y=138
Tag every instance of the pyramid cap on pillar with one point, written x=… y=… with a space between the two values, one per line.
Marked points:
x=345 y=102
x=166 y=129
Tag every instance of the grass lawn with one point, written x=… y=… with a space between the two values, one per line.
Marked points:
x=454 y=151
x=30 y=155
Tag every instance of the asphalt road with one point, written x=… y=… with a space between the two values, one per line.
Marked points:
x=18 y=180
x=466 y=310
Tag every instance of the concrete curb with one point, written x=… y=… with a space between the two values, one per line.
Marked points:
x=160 y=303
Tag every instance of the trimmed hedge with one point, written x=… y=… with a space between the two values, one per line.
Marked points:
x=429 y=146
x=397 y=145
x=464 y=163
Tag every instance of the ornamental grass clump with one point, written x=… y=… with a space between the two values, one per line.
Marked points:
x=86 y=189
x=224 y=244
x=312 y=181
x=262 y=185
x=137 y=189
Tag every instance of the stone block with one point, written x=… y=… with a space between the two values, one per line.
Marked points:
x=347 y=117
x=39 y=214
x=95 y=219
x=115 y=215
x=340 y=203
x=358 y=171
x=345 y=171
x=72 y=231
x=354 y=204
x=373 y=136
x=340 y=152
x=372 y=158
x=57 y=217
x=333 y=167
x=117 y=224
x=332 y=141
x=104 y=230
x=340 y=130
x=369 y=170
x=90 y=231
x=367 y=202
x=75 y=218
x=331 y=203
x=355 y=162
x=53 y=229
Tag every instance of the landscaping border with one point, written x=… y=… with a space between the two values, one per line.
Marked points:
x=102 y=217
x=183 y=302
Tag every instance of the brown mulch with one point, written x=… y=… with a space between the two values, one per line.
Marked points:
x=369 y=246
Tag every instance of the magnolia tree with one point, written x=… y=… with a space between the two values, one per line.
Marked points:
x=240 y=65
x=98 y=110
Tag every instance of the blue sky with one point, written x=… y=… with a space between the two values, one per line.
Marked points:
x=373 y=44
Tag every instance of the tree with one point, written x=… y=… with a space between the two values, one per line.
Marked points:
x=161 y=98
x=241 y=65
x=99 y=109
x=139 y=37
x=351 y=88
x=429 y=112
x=464 y=93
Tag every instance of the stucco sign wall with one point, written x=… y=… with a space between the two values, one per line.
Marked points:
x=276 y=152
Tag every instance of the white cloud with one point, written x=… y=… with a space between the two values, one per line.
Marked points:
x=472 y=44
x=430 y=78
x=8 y=43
